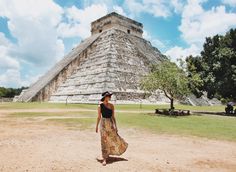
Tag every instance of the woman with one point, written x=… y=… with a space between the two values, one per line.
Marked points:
x=111 y=142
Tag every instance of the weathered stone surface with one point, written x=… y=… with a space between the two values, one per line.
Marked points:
x=114 y=20
x=202 y=101
x=113 y=59
x=5 y=99
x=113 y=63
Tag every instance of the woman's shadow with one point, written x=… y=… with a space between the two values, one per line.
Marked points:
x=111 y=159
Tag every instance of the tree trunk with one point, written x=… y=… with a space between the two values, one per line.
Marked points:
x=172 y=104
x=171 y=99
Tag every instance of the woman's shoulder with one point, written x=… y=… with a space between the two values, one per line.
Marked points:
x=100 y=104
x=111 y=105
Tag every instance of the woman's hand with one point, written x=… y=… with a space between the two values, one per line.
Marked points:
x=116 y=129
x=98 y=118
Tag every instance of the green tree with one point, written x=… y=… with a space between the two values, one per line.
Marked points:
x=194 y=75
x=216 y=66
x=10 y=92
x=169 y=78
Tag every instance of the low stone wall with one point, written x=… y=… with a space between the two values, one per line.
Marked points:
x=5 y=99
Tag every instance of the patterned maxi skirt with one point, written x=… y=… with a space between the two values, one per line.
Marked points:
x=111 y=142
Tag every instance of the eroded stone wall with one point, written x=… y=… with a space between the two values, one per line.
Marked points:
x=50 y=88
x=117 y=21
x=114 y=63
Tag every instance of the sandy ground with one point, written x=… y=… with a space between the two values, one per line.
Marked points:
x=4 y=111
x=35 y=145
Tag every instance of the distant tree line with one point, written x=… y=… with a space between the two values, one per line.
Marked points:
x=10 y=92
x=215 y=67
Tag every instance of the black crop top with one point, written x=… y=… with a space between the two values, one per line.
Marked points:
x=106 y=112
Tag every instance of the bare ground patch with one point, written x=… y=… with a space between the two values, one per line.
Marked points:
x=39 y=145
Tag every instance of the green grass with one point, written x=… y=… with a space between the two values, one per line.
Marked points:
x=44 y=105
x=213 y=127
x=177 y=106
x=134 y=107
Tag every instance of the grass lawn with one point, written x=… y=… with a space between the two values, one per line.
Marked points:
x=134 y=107
x=44 y=105
x=209 y=126
x=213 y=127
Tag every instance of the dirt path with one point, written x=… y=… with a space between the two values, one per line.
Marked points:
x=39 y=146
x=8 y=111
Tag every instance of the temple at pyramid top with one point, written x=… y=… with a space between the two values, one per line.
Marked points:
x=116 y=21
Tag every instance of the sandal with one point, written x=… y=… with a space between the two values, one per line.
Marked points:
x=104 y=162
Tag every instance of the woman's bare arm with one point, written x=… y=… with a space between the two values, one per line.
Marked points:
x=98 y=118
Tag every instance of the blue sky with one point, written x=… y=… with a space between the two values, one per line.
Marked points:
x=35 y=34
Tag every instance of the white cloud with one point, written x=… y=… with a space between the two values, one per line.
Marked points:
x=229 y=2
x=37 y=43
x=146 y=35
x=178 y=5
x=10 y=78
x=28 y=80
x=13 y=78
x=196 y=23
x=8 y=65
x=33 y=24
x=6 y=61
x=157 y=8
x=177 y=52
x=158 y=44
x=10 y=68
x=80 y=20
x=119 y=10
x=154 y=41
x=44 y=11
x=109 y=3
x=3 y=40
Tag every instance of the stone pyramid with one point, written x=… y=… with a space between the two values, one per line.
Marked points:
x=113 y=58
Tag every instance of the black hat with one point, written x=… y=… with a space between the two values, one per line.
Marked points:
x=104 y=94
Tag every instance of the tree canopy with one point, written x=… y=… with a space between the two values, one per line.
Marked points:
x=10 y=92
x=216 y=66
x=169 y=78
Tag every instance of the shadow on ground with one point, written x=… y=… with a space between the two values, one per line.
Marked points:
x=111 y=160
